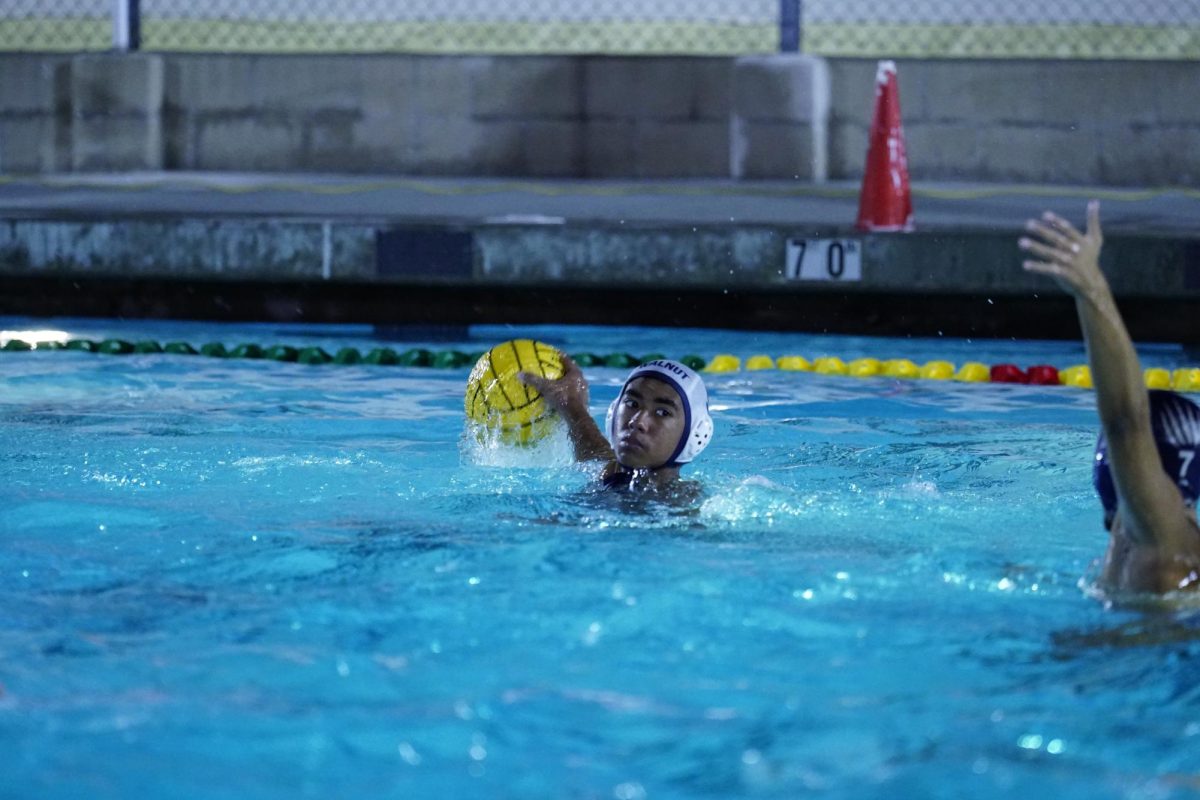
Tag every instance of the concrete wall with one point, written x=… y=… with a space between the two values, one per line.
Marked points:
x=1115 y=123
x=734 y=255
x=777 y=117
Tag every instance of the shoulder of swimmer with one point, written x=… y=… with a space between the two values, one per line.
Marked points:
x=1154 y=567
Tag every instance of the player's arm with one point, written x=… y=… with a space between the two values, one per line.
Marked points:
x=1149 y=501
x=568 y=396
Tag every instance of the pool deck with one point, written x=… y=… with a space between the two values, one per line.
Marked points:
x=939 y=207
x=394 y=249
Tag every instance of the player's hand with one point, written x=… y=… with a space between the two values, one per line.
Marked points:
x=568 y=394
x=1062 y=252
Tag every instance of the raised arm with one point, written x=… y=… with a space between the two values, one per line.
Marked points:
x=1149 y=503
x=568 y=396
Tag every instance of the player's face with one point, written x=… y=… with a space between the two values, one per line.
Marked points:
x=650 y=422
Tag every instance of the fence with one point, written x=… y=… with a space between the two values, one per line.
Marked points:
x=1106 y=29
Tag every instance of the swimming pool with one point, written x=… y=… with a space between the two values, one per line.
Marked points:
x=259 y=580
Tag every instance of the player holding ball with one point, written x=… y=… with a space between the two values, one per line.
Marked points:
x=659 y=422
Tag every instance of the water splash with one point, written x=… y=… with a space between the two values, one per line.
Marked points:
x=483 y=446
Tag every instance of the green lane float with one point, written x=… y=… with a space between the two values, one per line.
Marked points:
x=1185 y=379
x=313 y=355
x=585 y=360
x=621 y=361
x=381 y=357
x=450 y=359
x=115 y=347
x=281 y=352
x=417 y=357
x=347 y=355
x=246 y=351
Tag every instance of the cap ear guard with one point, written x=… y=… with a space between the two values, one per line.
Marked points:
x=698 y=438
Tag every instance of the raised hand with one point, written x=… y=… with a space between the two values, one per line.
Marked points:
x=1062 y=252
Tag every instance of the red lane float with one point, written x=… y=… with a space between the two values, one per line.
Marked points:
x=1008 y=373
x=1043 y=375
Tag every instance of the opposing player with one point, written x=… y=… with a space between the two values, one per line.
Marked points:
x=1146 y=471
x=658 y=422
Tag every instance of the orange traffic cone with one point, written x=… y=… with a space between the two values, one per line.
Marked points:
x=885 y=203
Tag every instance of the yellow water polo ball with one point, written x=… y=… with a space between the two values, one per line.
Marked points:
x=497 y=400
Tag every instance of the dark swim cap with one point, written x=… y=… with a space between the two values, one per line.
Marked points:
x=1175 y=422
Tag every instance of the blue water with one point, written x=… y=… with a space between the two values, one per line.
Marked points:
x=258 y=580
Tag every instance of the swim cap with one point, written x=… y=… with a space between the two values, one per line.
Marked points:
x=697 y=423
x=1175 y=422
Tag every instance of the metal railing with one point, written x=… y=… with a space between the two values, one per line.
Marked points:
x=1146 y=29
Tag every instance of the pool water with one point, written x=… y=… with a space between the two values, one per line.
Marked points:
x=259 y=580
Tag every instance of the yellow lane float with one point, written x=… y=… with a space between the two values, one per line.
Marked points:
x=937 y=370
x=864 y=367
x=760 y=362
x=973 y=372
x=829 y=365
x=901 y=368
x=793 y=363
x=1079 y=376
x=1186 y=380
x=1157 y=378
x=724 y=362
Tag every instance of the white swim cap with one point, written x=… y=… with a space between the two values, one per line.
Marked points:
x=698 y=424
